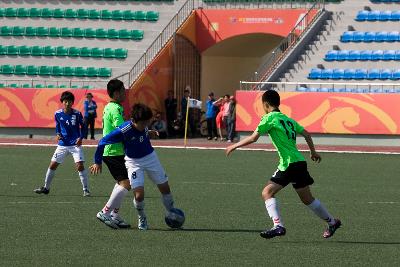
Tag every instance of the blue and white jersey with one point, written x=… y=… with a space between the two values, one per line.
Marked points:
x=69 y=127
x=136 y=143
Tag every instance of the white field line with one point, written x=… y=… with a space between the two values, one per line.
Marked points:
x=220 y=148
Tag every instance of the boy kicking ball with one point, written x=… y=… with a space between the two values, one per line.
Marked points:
x=69 y=130
x=292 y=166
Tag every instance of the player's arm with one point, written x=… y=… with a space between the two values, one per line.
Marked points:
x=314 y=155
x=116 y=118
x=114 y=137
x=248 y=140
x=58 y=128
x=81 y=130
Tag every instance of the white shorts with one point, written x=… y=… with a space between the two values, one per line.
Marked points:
x=149 y=164
x=63 y=151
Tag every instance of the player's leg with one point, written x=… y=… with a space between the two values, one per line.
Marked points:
x=79 y=158
x=91 y=124
x=136 y=178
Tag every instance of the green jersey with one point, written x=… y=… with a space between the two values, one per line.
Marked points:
x=282 y=131
x=112 y=118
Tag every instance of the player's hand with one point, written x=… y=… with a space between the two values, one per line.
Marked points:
x=229 y=150
x=316 y=157
x=78 y=142
x=95 y=169
x=58 y=137
x=153 y=134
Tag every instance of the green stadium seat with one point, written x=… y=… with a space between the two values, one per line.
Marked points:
x=117 y=15
x=125 y=34
x=3 y=50
x=74 y=87
x=69 y=71
x=109 y=53
x=18 y=31
x=40 y=85
x=37 y=51
x=20 y=70
x=32 y=70
x=13 y=85
x=152 y=16
x=35 y=12
x=112 y=34
x=42 y=31
x=137 y=34
x=51 y=86
x=90 y=33
x=30 y=31
x=104 y=72
x=11 y=12
x=2 y=12
x=66 y=32
x=86 y=52
x=97 y=52
x=129 y=15
x=23 y=12
x=87 y=87
x=83 y=13
x=26 y=85
x=25 y=50
x=74 y=51
x=57 y=71
x=12 y=50
x=121 y=53
x=70 y=13
x=92 y=72
x=80 y=71
x=54 y=32
x=140 y=15
x=61 y=51
x=94 y=14
x=6 y=31
x=7 y=69
x=58 y=13
x=105 y=14
x=45 y=70
x=47 y=13
x=49 y=51
x=101 y=33
x=2 y=85
x=78 y=32
x=62 y=86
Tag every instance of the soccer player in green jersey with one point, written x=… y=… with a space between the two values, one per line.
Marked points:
x=292 y=165
x=113 y=157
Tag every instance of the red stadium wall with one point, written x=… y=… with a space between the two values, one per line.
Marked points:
x=334 y=113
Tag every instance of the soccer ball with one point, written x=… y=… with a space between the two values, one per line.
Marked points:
x=175 y=218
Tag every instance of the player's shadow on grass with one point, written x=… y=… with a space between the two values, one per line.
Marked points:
x=210 y=230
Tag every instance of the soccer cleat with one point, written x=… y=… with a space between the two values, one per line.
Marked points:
x=107 y=220
x=273 y=232
x=331 y=229
x=142 y=223
x=42 y=190
x=86 y=193
x=120 y=222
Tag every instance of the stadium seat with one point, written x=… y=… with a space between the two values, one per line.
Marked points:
x=70 y=13
x=49 y=51
x=13 y=85
x=353 y=55
x=18 y=31
x=12 y=50
x=342 y=55
x=61 y=51
x=377 y=55
x=125 y=34
x=129 y=15
x=2 y=85
x=74 y=51
x=94 y=14
x=385 y=15
x=39 y=85
x=90 y=33
x=121 y=53
x=30 y=31
x=26 y=85
x=362 y=15
x=389 y=55
x=395 y=15
x=396 y=75
x=78 y=33
x=44 y=70
x=349 y=74
x=109 y=53
x=373 y=15
x=97 y=52
x=397 y=55
x=20 y=70
x=37 y=51
x=140 y=15
x=42 y=31
x=101 y=33
x=24 y=50
x=35 y=12
x=358 y=36
x=82 y=13
x=117 y=15
x=3 y=50
x=6 y=31
x=152 y=16
x=11 y=12
x=7 y=69
x=326 y=74
x=59 y=13
x=104 y=72
x=66 y=32
x=23 y=12
x=360 y=74
x=80 y=71
x=92 y=72
x=373 y=74
x=315 y=73
x=112 y=34
x=69 y=71
x=105 y=14
x=331 y=55
x=365 y=55
x=54 y=32
x=137 y=34
x=47 y=13
x=385 y=74
x=369 y=37
x=381 y=36
x=392 y=36
x=86 y=52
x=57 y=71
x=32 y=70
x=338 y=74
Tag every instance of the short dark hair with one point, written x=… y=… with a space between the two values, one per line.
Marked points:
x=141 y=112
x=89 y=94
x=272 y=98
x=186 y=91
x=228 y=96
x=211 y=94
x=67 y=95
x=114 y=85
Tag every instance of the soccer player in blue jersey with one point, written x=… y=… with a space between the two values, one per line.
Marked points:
x=69 y=131
x=140 y=157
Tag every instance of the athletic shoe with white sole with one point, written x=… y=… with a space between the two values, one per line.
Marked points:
x=107 y=220
x=142 y=223
x=120 y=222
x=86 y=193
x=42 y=190
x=331 y=229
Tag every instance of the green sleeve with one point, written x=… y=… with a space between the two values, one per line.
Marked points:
x=264 y=126
x=116 y=117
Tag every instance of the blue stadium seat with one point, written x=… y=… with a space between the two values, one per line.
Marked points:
x=361 y=91
x=393 y=36
x=361 y=74
x=331 y=55
x=349 y=74
x=377 y=55
x=339 y=90
x=389 y=55
x=369 y=37
x=362 y=15
x=389 y=91
x=385 y=15
x=397 y=55
x=396 y=75
x=342 y=55
x=376 y=90
x=365 y=55
x=373 y=74
x=358 y=36
x=395 y=16
x=314 y=74
x=313 y=89
x=338 y=74
x=326 y=74
x=324 y=90
x=381 y=36
x=347 y=37
x=354 y=55
x=301 y=89
x=374 y=15
x=386 y=74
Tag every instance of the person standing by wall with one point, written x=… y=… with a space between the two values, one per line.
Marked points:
x=231 y=120
x=170 y=110
x=90 y=115
x=211 y=114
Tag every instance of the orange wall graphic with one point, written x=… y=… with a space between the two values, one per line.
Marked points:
x=338 y=113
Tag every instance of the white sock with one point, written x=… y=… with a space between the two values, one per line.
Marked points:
x=83 y=175
x=115 y=200
x=139 y=207
x=49 y=177
x=318 y=208
x=168 y=201
x=273 y=211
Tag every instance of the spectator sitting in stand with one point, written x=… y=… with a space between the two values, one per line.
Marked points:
x=160 y=126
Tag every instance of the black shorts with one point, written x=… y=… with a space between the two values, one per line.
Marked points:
x=116 y=166
x=296 y=173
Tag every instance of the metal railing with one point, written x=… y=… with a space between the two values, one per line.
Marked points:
x=288 y=43
x=46 y=83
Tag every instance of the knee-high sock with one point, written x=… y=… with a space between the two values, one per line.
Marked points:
x=83 y=175
x=319 y=209
x=139 y=207
x=49 y=177
x=168 y=201
x=273 y=211
x=115 y=200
